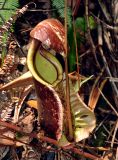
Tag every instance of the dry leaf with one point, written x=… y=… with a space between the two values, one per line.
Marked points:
x=25 y=79
x=109 y=156
x=26 y=122
x=32 y=103
x=84 y=120
x=95 y=94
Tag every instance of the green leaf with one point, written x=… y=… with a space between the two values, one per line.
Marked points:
x=80 y=24
x=7 y=9
x=59 y=5
x=81 y=28
x=92 y=23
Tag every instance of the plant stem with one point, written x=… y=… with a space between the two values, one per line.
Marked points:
x=68 y=110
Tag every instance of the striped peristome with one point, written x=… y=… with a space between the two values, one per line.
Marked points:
x=83 y=118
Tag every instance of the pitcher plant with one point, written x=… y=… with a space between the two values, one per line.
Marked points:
x=46 y=60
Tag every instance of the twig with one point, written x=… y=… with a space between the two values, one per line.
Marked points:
x=68 y=110
x=49 y=140
x=108 y=102
x=84 y=154
x=18 y=44
x=88 y=26
x=25 y=92
x=105 y=24
x=112 y=79
x=77 y=57
x=44 y=10
x=76 y=7
x=110 y=142
x=11 y=141
x=76 y=47
x=85 y=53
x=93 y=48
x=104 y=10
x=109 y=132
x=101 y=123
x=10 y=126
x=100 y=43
x=114 y=134
x=109 y=72
x=94 y=148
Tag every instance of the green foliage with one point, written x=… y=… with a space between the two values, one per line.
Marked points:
x=92 y=23
x=72 y=51
x=59 y=5
x=80 y=27
x=7 y=9
x=81 y=23
x=101 y=138
x=19 y=135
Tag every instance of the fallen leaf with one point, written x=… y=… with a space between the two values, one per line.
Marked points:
x=32 y=103
x=95 y=94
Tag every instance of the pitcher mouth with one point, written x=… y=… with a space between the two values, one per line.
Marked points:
x=39 y=58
